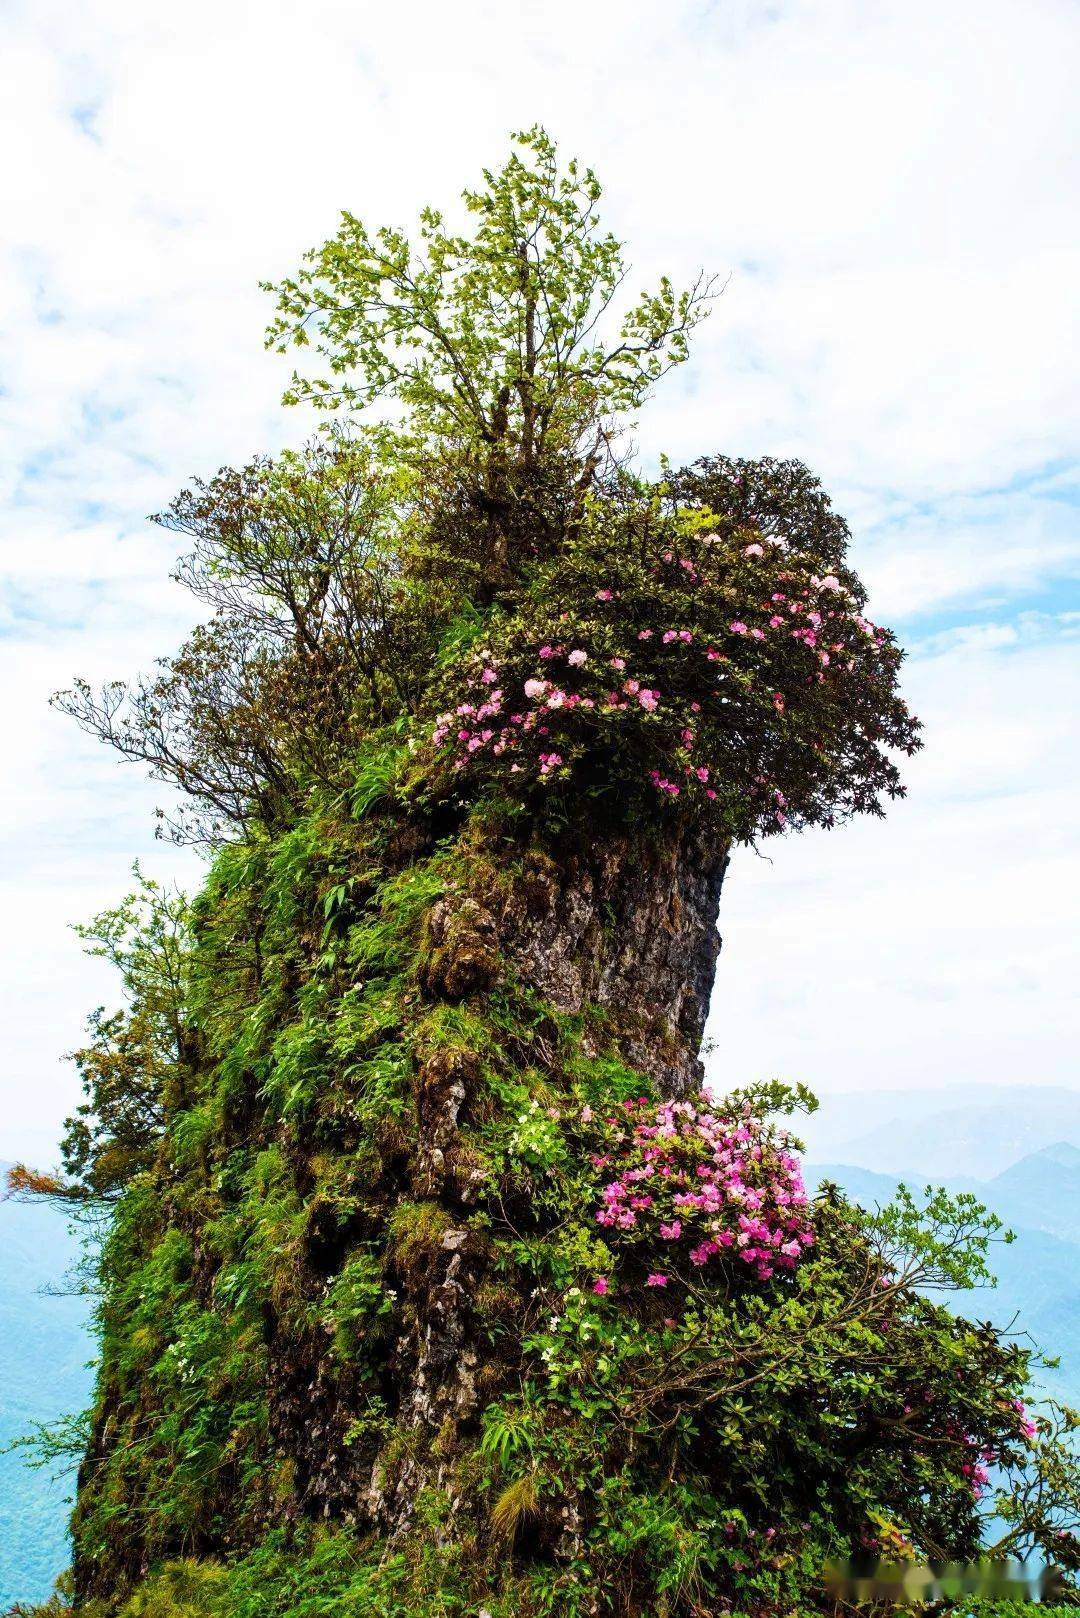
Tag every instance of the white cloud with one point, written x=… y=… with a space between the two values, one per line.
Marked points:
x=938 y=945
x=889 y=187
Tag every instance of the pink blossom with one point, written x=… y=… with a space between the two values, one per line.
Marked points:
x=577 y=658
x=754 y=550
x=656 y=1280
x=535 y=688
x=738 y=627
x=649 y=700
x=603 y=595
x=600 y=1285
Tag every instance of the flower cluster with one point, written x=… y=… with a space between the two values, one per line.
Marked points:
x=695 y=1185
x=737 y=676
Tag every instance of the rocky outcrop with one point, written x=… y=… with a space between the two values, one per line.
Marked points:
x=621 y=926
x=631 y=928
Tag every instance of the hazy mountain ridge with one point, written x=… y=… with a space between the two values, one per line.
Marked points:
x=44 y=1349
x=960 y=1131
x=1016 y=1147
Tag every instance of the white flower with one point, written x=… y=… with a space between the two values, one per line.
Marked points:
x=577 y=658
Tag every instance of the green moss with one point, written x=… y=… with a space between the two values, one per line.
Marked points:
x=416 y=1232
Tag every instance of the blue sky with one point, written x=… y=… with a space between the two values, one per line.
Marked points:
x=892 y=190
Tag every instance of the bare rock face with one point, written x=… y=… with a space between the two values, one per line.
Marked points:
x=632 y=930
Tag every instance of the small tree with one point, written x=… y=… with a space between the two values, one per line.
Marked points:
x=504 y=344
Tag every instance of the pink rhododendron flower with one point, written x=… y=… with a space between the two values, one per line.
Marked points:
x=656 y=1280
x=754 y=550
x=577 y=658
x=604 y=595
x=535 y=688
x=738 y=627
x=600 y=1285
x=649 y=700
x=733 y=1184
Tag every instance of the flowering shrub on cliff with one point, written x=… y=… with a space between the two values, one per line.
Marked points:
x=673 y=655
x=695 y=1185
x=410 y=1303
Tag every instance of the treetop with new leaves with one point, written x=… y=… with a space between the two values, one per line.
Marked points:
x=503 y=338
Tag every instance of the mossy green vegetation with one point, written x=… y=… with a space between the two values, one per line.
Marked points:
x=432 y=1284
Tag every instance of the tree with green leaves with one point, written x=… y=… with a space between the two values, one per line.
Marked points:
x=506 y=345
x=434 y=1281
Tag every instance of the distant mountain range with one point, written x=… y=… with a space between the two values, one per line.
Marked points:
x=1016 y=1147
x=1038 y=1275
x=44 y=1349
x=949 y=1132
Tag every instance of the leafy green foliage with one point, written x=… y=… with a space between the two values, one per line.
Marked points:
x=675 y=658
x=490 y=339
